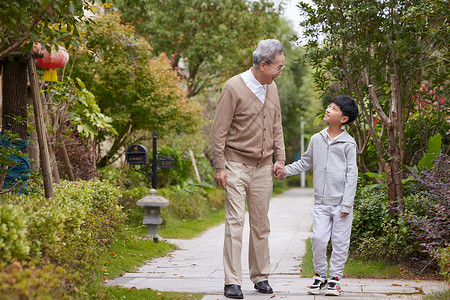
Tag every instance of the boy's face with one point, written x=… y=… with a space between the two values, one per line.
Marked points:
x=334 y=116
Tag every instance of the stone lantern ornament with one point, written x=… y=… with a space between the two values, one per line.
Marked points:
x=152 y=204
x=52 y=61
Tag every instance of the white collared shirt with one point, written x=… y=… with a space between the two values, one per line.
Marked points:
x=330 y=139
x=254 y=85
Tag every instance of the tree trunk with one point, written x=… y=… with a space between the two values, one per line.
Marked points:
x=119 y=141
x=194 y=164
x=51 y=141
x=65 y=155
x=33 y=148
x=390 y=187
x=15 y=96
x=365 y=111
x=40 y=128
x=394 y=177
x=393 y=146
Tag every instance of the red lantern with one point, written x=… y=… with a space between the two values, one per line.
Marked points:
x=52 y=61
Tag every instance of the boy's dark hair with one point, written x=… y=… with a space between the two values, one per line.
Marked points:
x=348 y=107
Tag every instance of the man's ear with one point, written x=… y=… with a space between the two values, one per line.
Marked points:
x=263 y=65
x=344 y=119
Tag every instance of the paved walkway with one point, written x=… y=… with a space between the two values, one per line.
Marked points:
x=197 y=266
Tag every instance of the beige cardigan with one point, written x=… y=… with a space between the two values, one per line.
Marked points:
x=246 y=130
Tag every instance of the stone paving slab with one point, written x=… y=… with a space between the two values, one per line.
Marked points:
x=197 y=266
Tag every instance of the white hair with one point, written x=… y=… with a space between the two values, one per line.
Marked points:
x=266 y=51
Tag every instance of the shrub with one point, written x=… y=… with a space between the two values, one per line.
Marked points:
x=182 y=171
x=443 y=256
x=29 y=281
x=81 y=156
x=189 y=200
x=430 y=224
x=71 y=229
x=376 y=233
x=419 y=234
x=13 y=228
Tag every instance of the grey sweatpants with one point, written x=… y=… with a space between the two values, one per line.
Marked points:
x=328 y=222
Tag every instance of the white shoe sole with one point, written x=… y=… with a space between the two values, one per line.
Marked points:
x=332 y=293
x=317 y=291
x=314 y=292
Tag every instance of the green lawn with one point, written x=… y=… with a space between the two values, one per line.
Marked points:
x=147 y=294
x=130 y=252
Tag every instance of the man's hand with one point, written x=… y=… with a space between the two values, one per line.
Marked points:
x=278 y=170
x=221 y=178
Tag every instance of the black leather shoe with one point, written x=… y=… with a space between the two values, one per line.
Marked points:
x=233 y=291
x=264 y=287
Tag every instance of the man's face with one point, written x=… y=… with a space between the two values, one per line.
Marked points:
x=272 y=70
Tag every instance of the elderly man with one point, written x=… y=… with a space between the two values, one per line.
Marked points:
x=246 y=133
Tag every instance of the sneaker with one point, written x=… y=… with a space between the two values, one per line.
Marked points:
x=333 y=287
x=320 y=283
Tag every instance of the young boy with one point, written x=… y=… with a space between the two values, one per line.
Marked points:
x=332 y=152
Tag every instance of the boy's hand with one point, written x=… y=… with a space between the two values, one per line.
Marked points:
x=344 y=214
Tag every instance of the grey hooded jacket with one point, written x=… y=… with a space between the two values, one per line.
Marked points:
x=335 y=169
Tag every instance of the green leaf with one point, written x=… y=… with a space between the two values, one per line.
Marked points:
x=377 y=175
x=434 y=147
x=80 y=83
x=434 y=143
x=45 y=3
x=27 y=48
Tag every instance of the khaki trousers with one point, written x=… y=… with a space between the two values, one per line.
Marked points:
x=254 y=184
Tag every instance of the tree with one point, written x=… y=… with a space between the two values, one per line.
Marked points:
x=23 y=23
x=297 y=96
x=214 y=39
x=380 y=58
x=75 y=120
x=139 y=91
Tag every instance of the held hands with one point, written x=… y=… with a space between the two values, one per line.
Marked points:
x=279 y=171
x=221 y=176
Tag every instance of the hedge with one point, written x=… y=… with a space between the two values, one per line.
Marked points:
x=49 y=247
